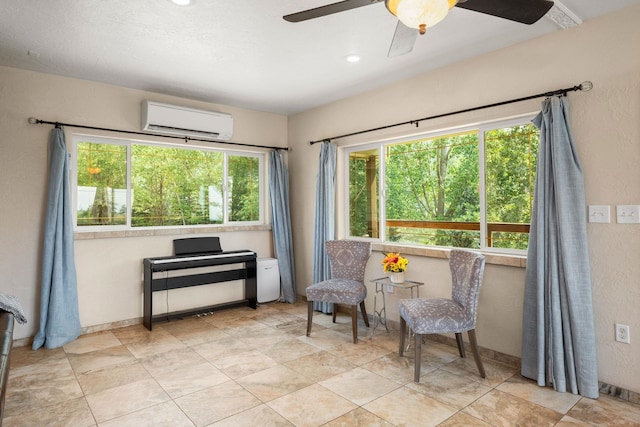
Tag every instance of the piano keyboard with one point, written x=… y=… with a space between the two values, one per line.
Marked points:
x=200 y=257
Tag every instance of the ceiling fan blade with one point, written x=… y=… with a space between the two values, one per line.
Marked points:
x=328 y=10
x=523 y=11
x=403 y=40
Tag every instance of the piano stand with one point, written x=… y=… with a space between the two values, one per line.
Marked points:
x=154 y=265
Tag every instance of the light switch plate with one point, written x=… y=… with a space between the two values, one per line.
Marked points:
x=599 y=213
x=628 y=214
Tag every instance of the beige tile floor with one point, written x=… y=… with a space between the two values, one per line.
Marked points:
x=245 y=367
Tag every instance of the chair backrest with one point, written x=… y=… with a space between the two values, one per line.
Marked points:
x=467 y=269
x=348 y=258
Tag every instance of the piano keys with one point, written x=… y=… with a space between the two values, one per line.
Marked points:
x=191 y=261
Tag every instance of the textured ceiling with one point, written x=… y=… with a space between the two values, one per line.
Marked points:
x=242 y=52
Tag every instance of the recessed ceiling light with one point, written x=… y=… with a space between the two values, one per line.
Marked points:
x=182 y=2
x=353 y=58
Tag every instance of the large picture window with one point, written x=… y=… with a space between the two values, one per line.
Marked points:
x=469 y=189
x=122 y=184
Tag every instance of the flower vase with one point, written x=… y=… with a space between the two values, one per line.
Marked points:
x=397 y=277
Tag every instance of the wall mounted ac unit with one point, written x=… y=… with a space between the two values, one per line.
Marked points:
x=176 y=120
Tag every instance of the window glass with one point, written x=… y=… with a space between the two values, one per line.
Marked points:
x=101 y=184
x=243 y=188
x=364 y=218
x=511 y=156
x=432 y=191
x=175 y=186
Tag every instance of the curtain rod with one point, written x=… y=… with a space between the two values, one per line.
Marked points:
x=186 y=139
x=584 y=86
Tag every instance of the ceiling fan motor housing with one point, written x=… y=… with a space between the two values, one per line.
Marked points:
x=420 y=14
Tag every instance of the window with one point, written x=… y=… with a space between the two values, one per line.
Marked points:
x=469 y=189
x=122 y=184
x=101 y=196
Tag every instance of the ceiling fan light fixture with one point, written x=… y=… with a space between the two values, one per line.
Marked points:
x=420 y=14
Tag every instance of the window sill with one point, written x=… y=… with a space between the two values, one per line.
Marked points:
x=509 y=260
x=178 y=231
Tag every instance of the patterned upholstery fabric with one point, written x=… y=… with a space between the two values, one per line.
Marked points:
x=339 y=291
x=346 y=286
x=455 y=315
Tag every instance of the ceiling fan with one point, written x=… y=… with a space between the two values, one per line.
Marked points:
x=420 y=14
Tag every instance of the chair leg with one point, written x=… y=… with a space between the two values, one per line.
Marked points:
x=403 y=333
x=363 y=309
x=460 y=344
x=334 y=310
x=416 y=373
x=476 y=355
x=354 y=323
x=309 y=316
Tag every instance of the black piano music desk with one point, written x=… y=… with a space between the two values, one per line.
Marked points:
x=151 y=284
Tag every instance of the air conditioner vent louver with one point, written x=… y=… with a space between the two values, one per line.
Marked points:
x=183 y=121
x=171 y=129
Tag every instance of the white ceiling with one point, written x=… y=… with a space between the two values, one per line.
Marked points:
x=241 y=52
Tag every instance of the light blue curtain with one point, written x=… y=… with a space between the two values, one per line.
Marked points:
x=324 y=225
x=281 y=218
x=558 y=337
x=59 y=318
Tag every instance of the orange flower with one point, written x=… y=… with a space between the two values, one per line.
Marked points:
x=394 y=263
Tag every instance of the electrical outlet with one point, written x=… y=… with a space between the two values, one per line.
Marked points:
x=389 y=289
x=622 y=333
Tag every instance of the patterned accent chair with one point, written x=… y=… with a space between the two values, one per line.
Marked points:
x=442 y=315
x=348 y=260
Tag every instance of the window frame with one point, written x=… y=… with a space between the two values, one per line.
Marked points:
x=479 y=127
x=127 y=142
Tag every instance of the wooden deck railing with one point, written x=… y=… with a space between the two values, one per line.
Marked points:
x=493 y=227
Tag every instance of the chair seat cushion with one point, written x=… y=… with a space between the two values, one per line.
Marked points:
x=434 y=316
x=339 y=291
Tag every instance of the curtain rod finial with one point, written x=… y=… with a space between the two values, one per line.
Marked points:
x=319 y=140
x=32 y=120
x=586 y=86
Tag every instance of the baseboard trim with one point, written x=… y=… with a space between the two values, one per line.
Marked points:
x=619 y=392
x=24 y=342
x=111 y=325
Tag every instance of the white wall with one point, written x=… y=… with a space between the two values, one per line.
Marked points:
x=109 y=269
x=606 y=128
